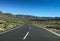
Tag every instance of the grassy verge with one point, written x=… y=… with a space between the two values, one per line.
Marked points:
x=7 y=25
x=54 y=28
x=51 y=25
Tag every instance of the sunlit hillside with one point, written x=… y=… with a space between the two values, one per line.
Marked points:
x=8 y=21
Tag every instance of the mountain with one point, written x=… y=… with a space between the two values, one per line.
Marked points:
x=26 y=17
x=10 y=16
x=30 y=17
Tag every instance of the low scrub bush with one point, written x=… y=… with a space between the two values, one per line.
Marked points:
x=54 y=27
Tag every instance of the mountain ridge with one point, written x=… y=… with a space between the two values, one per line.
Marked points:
x=26 y=17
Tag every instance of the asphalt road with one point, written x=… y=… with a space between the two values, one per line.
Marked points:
x=29 y=33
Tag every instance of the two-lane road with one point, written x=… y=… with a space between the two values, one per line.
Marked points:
x=29 y=33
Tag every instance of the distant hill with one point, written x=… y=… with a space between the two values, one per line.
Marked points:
x=25 y=17
x=29 y=17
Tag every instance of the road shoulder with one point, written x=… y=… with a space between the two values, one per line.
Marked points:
x=49 y=31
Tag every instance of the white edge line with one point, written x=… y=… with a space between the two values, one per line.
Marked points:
x=51 y=31
x=25 y=36
x=11 y=29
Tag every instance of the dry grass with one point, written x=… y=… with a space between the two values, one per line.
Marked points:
x=51 y=25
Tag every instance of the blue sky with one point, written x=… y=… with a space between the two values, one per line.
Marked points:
x=44 y=8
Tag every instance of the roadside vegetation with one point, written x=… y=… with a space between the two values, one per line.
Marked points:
x=53 y=25
x=9 y=21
